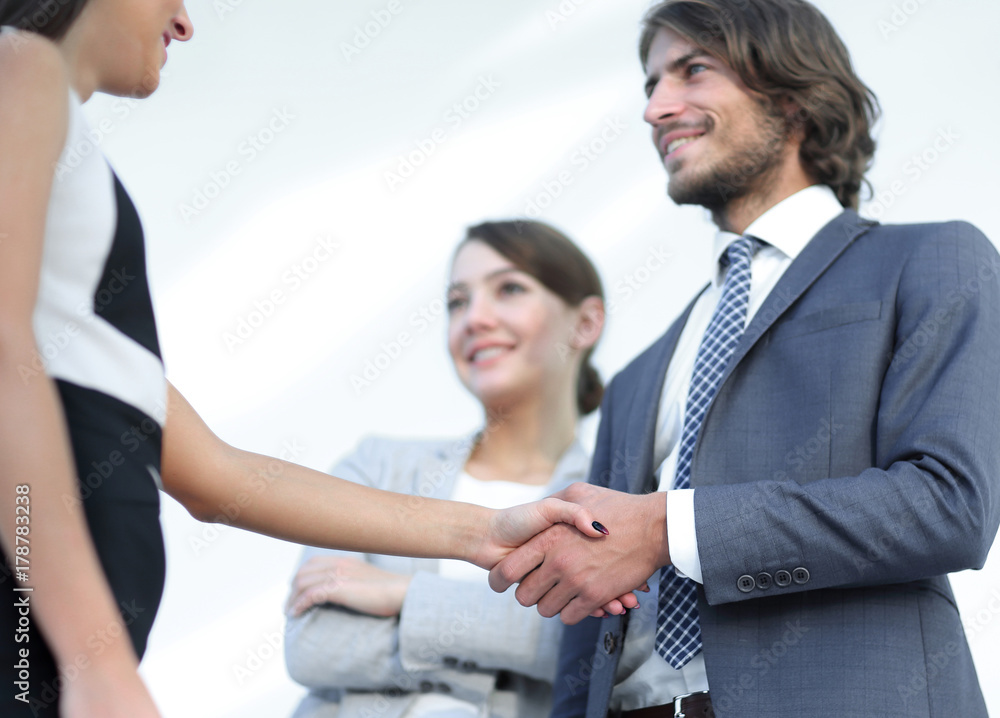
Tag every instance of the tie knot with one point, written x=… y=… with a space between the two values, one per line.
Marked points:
x=741 y=251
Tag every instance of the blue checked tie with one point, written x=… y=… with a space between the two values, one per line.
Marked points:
x=678 y=633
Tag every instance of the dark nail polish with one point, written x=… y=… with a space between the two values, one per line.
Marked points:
x=597 y=525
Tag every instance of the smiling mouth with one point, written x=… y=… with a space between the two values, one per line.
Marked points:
x=680 y=142
x=487 y=354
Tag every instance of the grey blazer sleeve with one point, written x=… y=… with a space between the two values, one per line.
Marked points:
x=447 y=623
x=330 y=648
x=909 y=430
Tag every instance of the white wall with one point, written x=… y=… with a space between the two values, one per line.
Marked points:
x=550 y=78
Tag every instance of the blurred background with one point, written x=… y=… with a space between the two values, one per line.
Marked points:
x=306 y=169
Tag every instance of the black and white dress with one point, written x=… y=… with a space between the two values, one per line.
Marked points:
x=96 y=338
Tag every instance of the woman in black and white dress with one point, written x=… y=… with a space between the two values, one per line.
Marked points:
x=89 y=426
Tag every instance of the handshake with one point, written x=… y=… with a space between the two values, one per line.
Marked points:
x=565 y=562
x=567 y=568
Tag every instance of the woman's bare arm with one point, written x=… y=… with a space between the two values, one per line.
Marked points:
x=217 y=482
x=70 y=601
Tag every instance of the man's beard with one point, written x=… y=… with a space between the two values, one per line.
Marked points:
x=744 y=171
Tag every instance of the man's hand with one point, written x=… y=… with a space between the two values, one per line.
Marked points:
x=508 y=529
x=347 y=582
x=566 y=572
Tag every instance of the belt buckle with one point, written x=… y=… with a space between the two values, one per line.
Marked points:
x=678 y=700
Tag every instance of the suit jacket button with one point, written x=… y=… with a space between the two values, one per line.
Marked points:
x=764 y=580
x=800 y=575
x=782 y=578
x=610 y=643
x=745 y=583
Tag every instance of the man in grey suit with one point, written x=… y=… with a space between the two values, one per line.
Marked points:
x=823 y=418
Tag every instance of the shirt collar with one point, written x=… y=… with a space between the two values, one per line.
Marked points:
x=787 y=226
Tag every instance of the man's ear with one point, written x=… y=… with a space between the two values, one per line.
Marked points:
x=796 y=119
x=590 y=323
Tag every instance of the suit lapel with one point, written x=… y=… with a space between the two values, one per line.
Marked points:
x=812 y=262
x=643 y=407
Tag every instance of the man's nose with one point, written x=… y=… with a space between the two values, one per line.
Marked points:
x=664 y=103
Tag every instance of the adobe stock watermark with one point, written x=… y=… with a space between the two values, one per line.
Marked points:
x=225 y=7
x=104 y=468
x=627 y=287
x=562 y=12
x=375 y=366
x=619 y=469
x=54 y=342
x=97 y=643
x=248 y=151
x=624 y=289
x=37 y=21
x=457 y=453
x=365 y=34
x=888 y=544
x=271 y=644
x=456 y=115
x=918 y=680
x=935 y=662
x=914 y=168
x=729 y=696
x=212 y=529
x=292 y=279
x=977 y=623
x=900 y=15
x=987 y=273
x=580 y=161
x=95 y=136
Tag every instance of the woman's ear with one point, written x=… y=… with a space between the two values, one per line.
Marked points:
x=589 y=324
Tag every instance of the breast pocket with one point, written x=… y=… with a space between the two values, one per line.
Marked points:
x=828 y=318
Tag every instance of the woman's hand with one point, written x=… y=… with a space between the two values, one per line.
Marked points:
x=508 y=529
x=347 y=582
x=109 y=691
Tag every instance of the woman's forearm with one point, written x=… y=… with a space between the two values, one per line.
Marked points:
x=217 y=482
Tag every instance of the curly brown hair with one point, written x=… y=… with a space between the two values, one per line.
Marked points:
x=787 y=51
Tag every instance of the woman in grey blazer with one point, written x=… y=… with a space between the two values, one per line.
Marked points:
x=391 y=637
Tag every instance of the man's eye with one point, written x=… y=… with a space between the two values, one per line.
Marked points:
x=696 y=68
x=455 y=303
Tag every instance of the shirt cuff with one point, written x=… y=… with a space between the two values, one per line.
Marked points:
x=681 y=536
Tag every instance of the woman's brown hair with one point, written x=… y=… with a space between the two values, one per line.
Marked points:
x=50 y=18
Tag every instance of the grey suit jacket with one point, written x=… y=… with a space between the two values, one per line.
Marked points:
x=848 y=463
x=452 y=637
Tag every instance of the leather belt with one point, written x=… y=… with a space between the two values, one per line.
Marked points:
x=690 y=705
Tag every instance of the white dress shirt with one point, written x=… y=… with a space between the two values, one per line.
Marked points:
x=644 y=678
